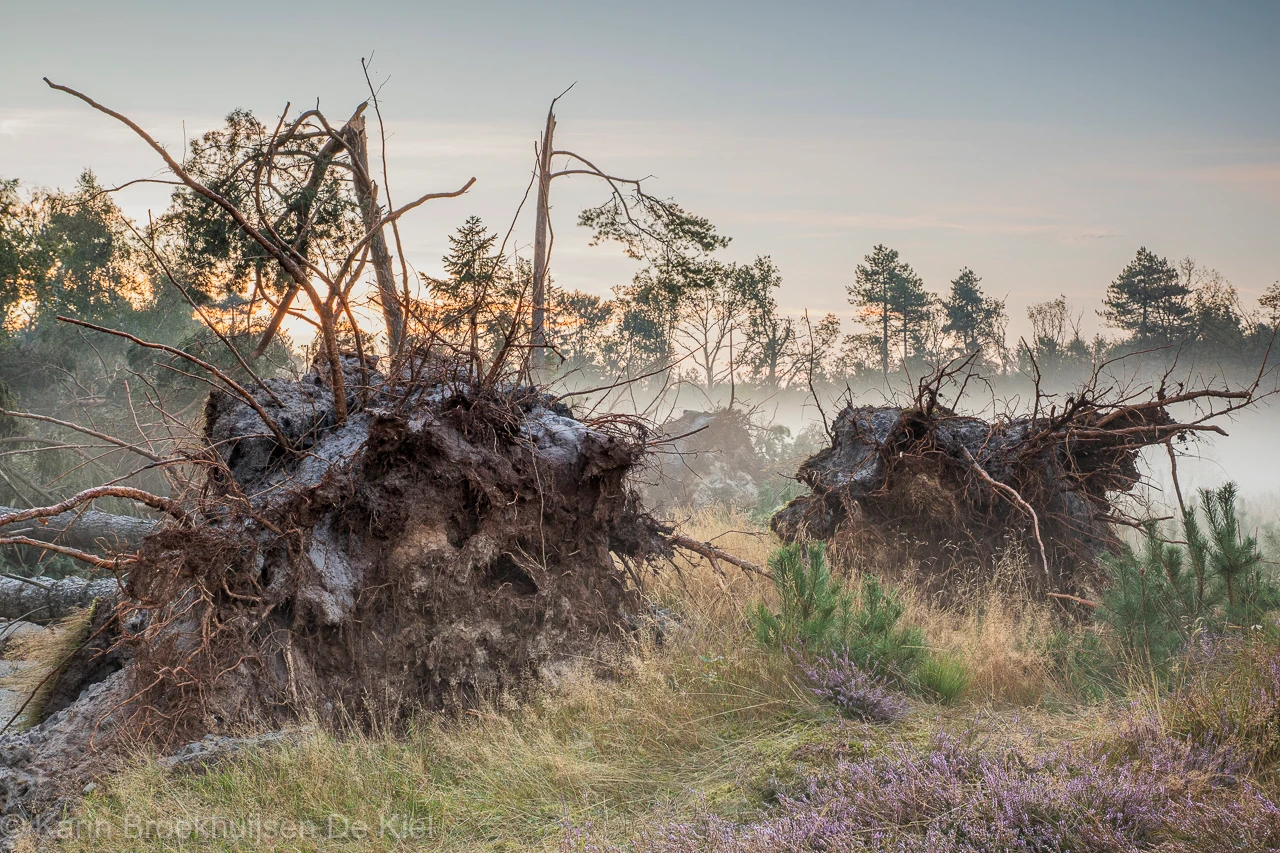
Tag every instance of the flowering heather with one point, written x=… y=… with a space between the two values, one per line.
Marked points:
x=852 y=689
x=950 y=797
x=1231 y=697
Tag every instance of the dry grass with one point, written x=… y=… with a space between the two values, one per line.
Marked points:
x=717 y=600
x=997 y=632
x=1002 y=641
x=607 y=751
x=46 y=653
x=700 y=715
x=701 y=718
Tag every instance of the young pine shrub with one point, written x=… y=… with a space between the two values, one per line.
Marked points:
x=878 y=637
x=1083 y=664
x=1150 y=603
x=815 y=612
x=818 y=616
x=1162 y=594
x=1228 y=564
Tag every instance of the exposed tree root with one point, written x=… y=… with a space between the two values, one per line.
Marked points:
x=443 y=545
x=922 y=484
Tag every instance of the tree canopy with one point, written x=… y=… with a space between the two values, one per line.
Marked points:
x=1149 y=300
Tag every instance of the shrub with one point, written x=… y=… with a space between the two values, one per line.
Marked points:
x=952 y=797
x=1149 y=603
x=814 y=610
x=1160 y=595
x=852 y=690
x=1083 y=663
x=877 y=637
x=1228 y=695
x=818 y=615
x=1228 y=564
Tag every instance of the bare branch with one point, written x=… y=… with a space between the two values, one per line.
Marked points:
x=389 y=219
x=74 y=553
x=101 y=436
x=715 y=554
x=156 y=502
x=1013 y=495
x=235 y=386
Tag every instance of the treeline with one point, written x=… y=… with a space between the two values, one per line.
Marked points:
x=692 y=318
x=191 y=280
x=727 y=324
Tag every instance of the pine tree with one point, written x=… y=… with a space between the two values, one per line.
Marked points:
x=478 y=288
x=1149 y=299
x=891 y=297
x=770 y=338
x=1270 y=302
x=815 y=611
x=975 y=319
x=470 y=264
x=1234 y=561
x=1159 y=595
x=1150 y=600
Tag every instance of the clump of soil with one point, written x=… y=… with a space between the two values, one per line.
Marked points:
x=705 y=459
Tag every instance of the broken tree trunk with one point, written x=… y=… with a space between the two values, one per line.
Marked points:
x=367 y=196
x=541 y=242
x=43 y=599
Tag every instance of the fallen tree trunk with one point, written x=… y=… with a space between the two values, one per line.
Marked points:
x=43 y=600
x=87 y=530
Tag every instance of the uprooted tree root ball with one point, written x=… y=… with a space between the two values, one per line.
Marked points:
x=440 y=546
x=705 y=459
x=920 y=485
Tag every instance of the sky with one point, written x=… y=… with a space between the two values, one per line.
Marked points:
x=1039 y=144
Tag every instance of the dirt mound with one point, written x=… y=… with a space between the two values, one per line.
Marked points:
x=703 y=459
x=441 y=545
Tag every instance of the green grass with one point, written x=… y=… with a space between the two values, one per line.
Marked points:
x=668 y=729
x=943 y=677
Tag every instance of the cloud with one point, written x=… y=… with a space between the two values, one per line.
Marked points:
x=1261 y=177
x=14 y=126
x=1237 y=173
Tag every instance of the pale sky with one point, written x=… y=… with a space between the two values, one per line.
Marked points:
x=1038 y=144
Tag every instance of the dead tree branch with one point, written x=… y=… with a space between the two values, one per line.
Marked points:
x=715 y=554
x=239 y=390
